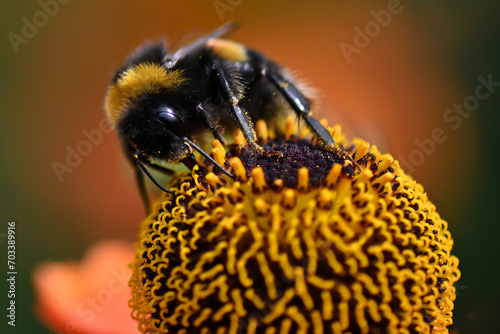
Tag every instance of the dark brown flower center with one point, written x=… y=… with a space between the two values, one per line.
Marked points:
x=283 y=159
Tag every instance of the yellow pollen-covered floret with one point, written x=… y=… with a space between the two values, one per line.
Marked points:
x=362 y=251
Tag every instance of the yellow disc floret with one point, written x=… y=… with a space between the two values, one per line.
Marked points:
x=295 y=245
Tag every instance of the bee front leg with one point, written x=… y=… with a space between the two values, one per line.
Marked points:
x=138 y=163
x=212 y=125
x=139 y=177
x=244 y=122
x=300 y=105
x=142 y=165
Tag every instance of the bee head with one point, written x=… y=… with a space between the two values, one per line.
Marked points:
x=145 y=106
x=155 y=128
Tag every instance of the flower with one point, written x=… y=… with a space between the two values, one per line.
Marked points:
x=304 y=240
x=88 y=297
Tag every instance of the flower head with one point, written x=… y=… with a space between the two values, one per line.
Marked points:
x=303 y=240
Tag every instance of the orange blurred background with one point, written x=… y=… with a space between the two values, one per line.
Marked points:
x=391 y=87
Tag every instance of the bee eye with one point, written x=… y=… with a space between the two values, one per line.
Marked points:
x=170 y=119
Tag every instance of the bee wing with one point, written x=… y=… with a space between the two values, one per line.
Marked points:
x=171 y=59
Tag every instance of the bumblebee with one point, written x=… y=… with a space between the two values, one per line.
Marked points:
x=162 y=103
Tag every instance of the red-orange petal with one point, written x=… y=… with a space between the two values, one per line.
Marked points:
x=90 y=296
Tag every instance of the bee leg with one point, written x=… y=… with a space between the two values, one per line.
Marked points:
x=212 y=125
x=148 y=174
x=159 y=168
x=321 y=132
x=244 y=122
x=189 y=161
x=140 y=170
x=139 y=177
x=207 y=156
x=301 y=106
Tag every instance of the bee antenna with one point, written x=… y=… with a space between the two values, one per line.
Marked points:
x=207 y=156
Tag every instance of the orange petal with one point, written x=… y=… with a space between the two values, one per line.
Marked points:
x=88 y=297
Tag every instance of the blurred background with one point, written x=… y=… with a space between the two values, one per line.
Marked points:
x=391 y=79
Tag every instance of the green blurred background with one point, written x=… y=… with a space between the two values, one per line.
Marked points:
x=393 y=91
